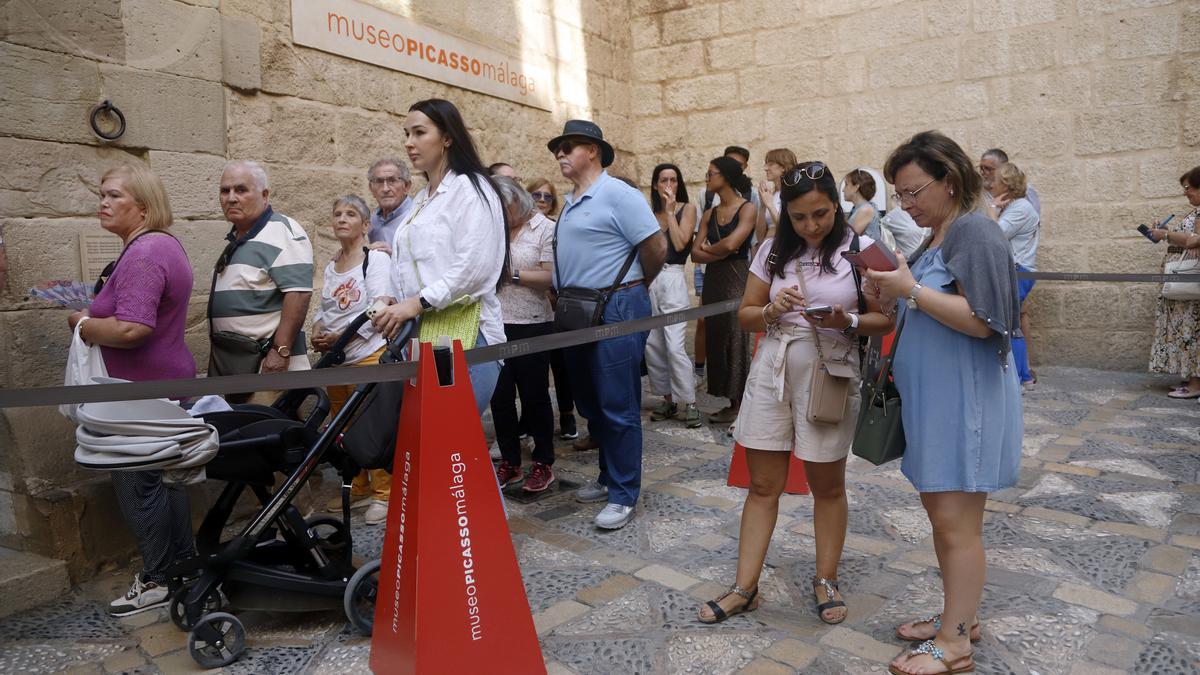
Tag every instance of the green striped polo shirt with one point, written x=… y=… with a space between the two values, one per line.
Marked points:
x=276 y=258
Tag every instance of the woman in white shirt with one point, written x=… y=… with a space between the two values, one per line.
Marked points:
x=353 y=281
x=527 y=314
x=776 y=163
x=1019 y=218
x=450 y=252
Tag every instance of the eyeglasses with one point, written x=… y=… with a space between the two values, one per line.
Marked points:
x=541 y=196
x=814 y=171
x=903 y=196
x=983 y=168
x=391 y=180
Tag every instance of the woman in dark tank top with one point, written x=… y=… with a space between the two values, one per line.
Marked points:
x=724 y=245
x=670 y=368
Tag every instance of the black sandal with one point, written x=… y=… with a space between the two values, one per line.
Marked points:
x=719 y=614
x=830 y=588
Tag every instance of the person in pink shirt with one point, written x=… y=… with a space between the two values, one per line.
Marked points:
x=798 y=269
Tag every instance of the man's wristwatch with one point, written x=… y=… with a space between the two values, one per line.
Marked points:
x=848 y=331
x=425 y=306
x=284 y=351
x=911 y=300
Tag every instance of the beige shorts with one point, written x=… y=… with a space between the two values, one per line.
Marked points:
x=766 y=423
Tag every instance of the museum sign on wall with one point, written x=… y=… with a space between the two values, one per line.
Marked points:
x=360 y=31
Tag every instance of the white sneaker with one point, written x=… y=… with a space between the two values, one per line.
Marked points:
x=592 y=492
x=614 y=516
x=494 y=451
x=142 y=595
x=377 y=512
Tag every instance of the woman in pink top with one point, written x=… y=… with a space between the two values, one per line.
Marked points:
x=138 y=319
x=801 y=267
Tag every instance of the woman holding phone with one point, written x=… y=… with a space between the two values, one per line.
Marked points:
x=954 y=369
x=1176 y=347
x=801 y=267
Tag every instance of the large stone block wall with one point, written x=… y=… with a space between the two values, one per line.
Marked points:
x=1097 y=100
x=200 y=82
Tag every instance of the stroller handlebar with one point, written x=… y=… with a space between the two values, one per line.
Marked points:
x=336 y=355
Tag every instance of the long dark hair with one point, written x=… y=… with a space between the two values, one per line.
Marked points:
x=681 y=196
x=733 y=174
x=788 y=244
x=463 y=159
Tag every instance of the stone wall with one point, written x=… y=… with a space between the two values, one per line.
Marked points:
x=1096 y=99
x=200 y=81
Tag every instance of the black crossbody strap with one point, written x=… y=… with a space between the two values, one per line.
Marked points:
x=624 y=270
x=554 y=245
x=862 y=300
x=366 y=259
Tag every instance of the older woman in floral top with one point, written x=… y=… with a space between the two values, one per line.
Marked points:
x=1177 y=325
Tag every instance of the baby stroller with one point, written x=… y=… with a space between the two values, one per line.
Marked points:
x=282 y=561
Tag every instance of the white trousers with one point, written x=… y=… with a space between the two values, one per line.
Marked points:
x=671 y=370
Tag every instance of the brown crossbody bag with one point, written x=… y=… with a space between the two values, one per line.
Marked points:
x=829 y=387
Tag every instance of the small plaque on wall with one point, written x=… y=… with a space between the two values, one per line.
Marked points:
x=96 y=249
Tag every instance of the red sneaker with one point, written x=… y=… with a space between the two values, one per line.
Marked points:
x=507 y=474
x=540 y=477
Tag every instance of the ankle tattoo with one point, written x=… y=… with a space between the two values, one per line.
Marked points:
x=962 y=629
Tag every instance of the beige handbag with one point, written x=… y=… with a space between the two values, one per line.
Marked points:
x=829 y=388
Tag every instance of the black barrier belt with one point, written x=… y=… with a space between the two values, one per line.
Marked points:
x=231 y=384
x=1085 y=276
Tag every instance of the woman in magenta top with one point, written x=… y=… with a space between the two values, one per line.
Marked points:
x=138 y=319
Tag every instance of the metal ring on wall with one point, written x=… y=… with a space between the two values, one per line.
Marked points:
x=107 y=108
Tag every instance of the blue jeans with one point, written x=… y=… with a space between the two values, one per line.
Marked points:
x=1020 y=353
x=483 y=379
x=607 y=381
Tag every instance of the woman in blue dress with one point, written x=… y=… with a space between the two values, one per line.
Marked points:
x=956 y=376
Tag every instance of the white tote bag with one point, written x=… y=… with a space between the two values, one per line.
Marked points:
x=83 y=363
x=1182 y=290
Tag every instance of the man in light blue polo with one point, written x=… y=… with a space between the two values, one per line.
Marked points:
x=603 y=221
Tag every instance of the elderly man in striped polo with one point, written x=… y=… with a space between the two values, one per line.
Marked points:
x=263 y=280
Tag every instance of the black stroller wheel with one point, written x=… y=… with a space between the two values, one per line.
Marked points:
x=359 y=600
x=178 y=612
x=224 y=647
x=331 y=536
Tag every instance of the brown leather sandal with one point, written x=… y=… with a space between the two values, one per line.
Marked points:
x=719 y=613
x=963 y=664
x=975 y=633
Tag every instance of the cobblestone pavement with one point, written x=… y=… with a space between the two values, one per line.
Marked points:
x=1093 y=564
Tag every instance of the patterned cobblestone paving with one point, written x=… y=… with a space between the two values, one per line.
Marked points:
x=1094 y=564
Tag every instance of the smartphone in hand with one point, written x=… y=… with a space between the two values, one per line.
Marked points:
x=874 y=257
x=818 y=310
x=1146 y=233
